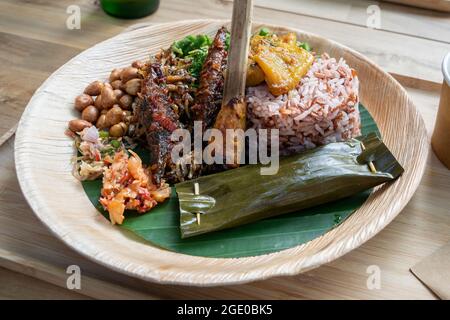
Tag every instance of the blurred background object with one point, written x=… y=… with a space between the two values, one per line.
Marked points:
x=129 y=9
x=440 y=140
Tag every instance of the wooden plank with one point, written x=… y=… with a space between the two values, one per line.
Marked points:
x=395 y=52
x=393 y=18
x=24 y=68
x=402 y=244
x=241 y=25
x=57 y=276
x=48 y=22
x=421 y=22
x=19 y=286
x=440 y=5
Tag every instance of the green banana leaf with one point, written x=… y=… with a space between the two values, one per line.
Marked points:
x=161 y=227
x=243 y=195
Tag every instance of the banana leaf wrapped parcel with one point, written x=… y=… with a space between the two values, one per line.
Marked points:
x=325 y=174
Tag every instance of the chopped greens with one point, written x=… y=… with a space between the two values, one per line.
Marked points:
x=115 y=143
x=264 y=32
x=183 y=47
x=197 y=56
x=103 y=134
x=227 y=41
x=304 y=45
x=194 y=48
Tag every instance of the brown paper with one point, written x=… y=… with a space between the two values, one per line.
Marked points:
x=434 y=272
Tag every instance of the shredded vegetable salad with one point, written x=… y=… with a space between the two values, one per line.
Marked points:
x=127 y=185
x=95 y=150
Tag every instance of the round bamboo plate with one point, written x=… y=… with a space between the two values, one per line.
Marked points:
x=43 y=162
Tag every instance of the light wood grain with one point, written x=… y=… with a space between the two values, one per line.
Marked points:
x=241 y=23
x=394 y=51
x=19 y=286
x=393 y=17
x=89 y=286
x=43 y=166
x=440 y=5
x=24 y=69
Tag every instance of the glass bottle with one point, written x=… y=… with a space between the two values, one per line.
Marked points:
x=129 y=9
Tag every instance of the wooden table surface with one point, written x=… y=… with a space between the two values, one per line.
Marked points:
x=411 y=43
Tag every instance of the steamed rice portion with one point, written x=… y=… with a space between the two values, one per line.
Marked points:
x=321 y=110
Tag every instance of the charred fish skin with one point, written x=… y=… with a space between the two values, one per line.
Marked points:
x=159 y=120
x=209 y=94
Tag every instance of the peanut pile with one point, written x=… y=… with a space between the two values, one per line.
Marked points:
x=108 y=105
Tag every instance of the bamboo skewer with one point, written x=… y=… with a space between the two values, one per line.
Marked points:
x=197 y=192
x=232 y=114
x=371 y=165
x=241 y=22
x=233 y=110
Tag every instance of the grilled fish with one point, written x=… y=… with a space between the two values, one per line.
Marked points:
x=159 y=120
x=209 y=94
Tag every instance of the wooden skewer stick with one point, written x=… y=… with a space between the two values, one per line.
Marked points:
x=197 y=192
x=241 y=23
x=232 y=114
x=371 y=165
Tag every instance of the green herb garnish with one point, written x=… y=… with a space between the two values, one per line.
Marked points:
x=115 y=143
x=197 y=57
x=108 y=151
x=103 y=134
x=185 y=46
x=264 y=32
x=194 y=48
x=304 y=45
x=227 y=41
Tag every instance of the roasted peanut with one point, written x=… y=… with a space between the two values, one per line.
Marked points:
x=115 y=75
x=77 y=125
x=94 y=88
x=126 y=101
x=108 y=97
x=101 y=122
x=114 y=116
x=138 y=64
x=116 y=84
x=124 y=126
x=98 y=102
x=118 y=130
x=90 y=114
x=82 y=101
x=128 y=73
x=118 y=94
x=133 y=86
